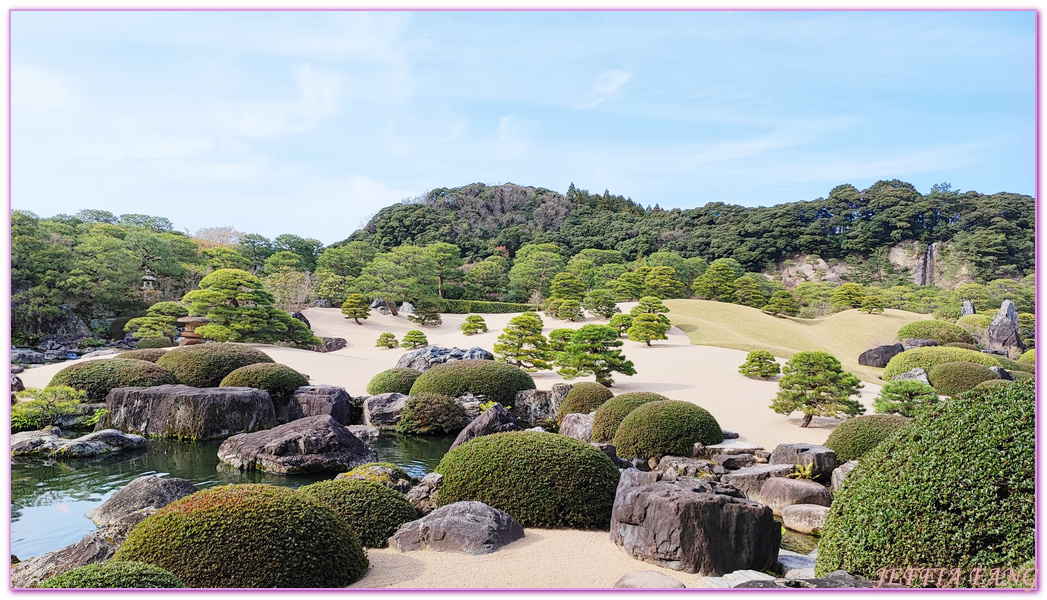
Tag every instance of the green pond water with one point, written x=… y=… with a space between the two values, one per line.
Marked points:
x=49 y=498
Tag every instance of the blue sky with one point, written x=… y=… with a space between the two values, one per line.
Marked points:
x=309 y=122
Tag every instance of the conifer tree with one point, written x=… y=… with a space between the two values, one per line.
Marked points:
x=747 y=292
x=600 y=303
x=566 y=286
x=356 y=307
x=592 y=351
x=663 y=283
x=522 y=343
x=814 y=383
x=782 y=303
x=647 y=327
x=414 y=339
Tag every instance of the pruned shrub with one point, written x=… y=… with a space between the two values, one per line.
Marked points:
x=385 y=473
x=925 y=358
x=961 y=345
x=562 y=482
x=974 y=324
x=473 y=325
x=97 y=377
x=387 y=340
x=154 y=342
x=666 y=428
x=279 y=380
x=150 y=354
x=956 y=487
x=114 y=574
x=393 y=381
x=952 y=378
x=905 y=397
x=414 y=339
x=1011 y=365
x=275 y=537
x=497 y=381
x=570 y=310
x=584 y=397
x=35 y=409
x=432 y=414
x=992 y=383
x=610 y=414
x=760 y=363
x=206 y=365
x=373 y=511
x=942 y=332
x=1016 y=375
x=1028 y=357
x=858 y=435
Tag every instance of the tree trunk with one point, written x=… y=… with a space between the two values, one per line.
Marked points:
x=806 y=420
x=440 y=286
x=648 y=343
x=357 y=319
x=392 y=307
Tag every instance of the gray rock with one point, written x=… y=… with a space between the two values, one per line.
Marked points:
x=687 y=467
x=383 y=411
x=1002 y=373
x=1002 y=333
x=779 y=492
x=916 y=374
x=26 y=442
x=469 y=527
x=471 y=403
x=729 y=435
x=330 y=344
x=734 y=461
x=647 y=580
x=298 y=315
x=16 y=369
x=578 y=426
x=427 y=357
x=880 y=355
x=423 y=495
x=309 y=445
x=734 y=579
x=612 y=453
x=363 y=431
x=323 y=303
x=97 y=353
x=378 y=303
x=560 y=391
x=750 y=479
x=793 y=565
x=836 y=579
x=725 y=447
x=16 y=384
x=25 y=356
x=386 y=476
x=183 y=412
x=822 y=459
x=148 y=491
x=537 y=430
x=968 y=308
x=92 y=548
x=910 y=343
x=314 y=400
x=840 y=473
x=48 y=443
x=493 y=420
x=407 y=308
x=534 y=407
x=805 y=518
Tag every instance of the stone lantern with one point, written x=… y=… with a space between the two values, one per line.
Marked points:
x=190 y=337
x=148 y=287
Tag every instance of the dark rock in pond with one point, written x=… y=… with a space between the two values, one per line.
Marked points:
x=314 y=400
x=1002 y=333
x=16 y=384
x=297 y=314
x=183 y=412
x=48 y=443
x=578 y=426
x=916 y=374
x=880 y=355
x=534 y=407
x=383 y=410
x=840 y=473
x=469 y=527
x=1002 y=373
x=687 y=467
x=493 y=420
x=309 y=445
x=836 y=579
x=330 y=344
x=423 y=495
x=92 y=548
x=427 y=357
x=821 y=459
x=612 y=453
x=647 y=580
x=386 y=476
x=779 y=492
x=734 y=461
x=148 y=491
x=910 y=343
x=805 y=518
x=750 y=479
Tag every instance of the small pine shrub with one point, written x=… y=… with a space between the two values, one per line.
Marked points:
x=610 y=414
x=858 y=435
x=559 y=338
x=426 y=314
x=551 y=308
x=499 y=382
x=373 y=511
x=473 y=325
x=584 y=397
x=115 y=575
x=925 y=358
x=570 y=310
x=35 y=409
x=150 y=354
x=666 y=428
x=206 y=365
x=414 y=339
x=952 y=378
x=97 y=377
x=280 y=381
x=432 y=414
x=154 y=342
x=397 y=380
x=760 y=363
x=942 y=332
x=906 y=397
x=387 y=340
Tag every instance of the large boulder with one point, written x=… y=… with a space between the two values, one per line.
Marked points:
x=430 y=356
x=750 y=479
x=578 y=426
x=384 y=410
x=16 y=384
x=493 y=420
x=916 y=374
x=822 y=460
x=880 y=355
x=728 y=446
x=309 y=445
x=689 y=467
x=968 y=308
x=183 y=412
x=686 y=525
x=1002 y=333
x=805 y=518
x=534 y=407
x=423 y=495
x=330 y=344
x=313 y=400
x=1001 y=373
x=734 y=462
x=92 y=548
x=49 y=443
x=148 y=491
x=840 y=473
x=779 y=492
x=469 y=527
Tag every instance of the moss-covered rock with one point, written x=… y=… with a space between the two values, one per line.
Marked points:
x=942 y=332
x=432 y=414
x=393 y=381
x=925 y=358
x=611 y=413
x=373 y=511
x=385 y=473
x=249 y=535
x=150 y=354
x=206 y=365
x=497 y=381
x=115 y=574
x=97 y=377
x=953 y=378
x=154 y=342
x=584 y=398
x=541 y=479
x=858 y=435
x=955 y=488
x=279 y=380
x=666 y=428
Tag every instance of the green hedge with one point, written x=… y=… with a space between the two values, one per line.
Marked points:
x=952 y=378
x=150 y=354
x=925 y=358
x=249 y=535
x=115 y=574
x=279 y=380
x=541 y=479
x=154 y=342
x=497 y=381
x=97 y=377
x=584 y=398
x=955 y=489
x=942 y=332
x=858 y=435
x=462 y=307
x=206 y=365
x=373 y=511
x=611 y=413
x=1016 y=375
x=991 y=383
x=666 y=428
x=398 y=380
x=432 y=414
x=1011 y=365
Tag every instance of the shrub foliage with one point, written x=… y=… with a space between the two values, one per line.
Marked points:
x=666 y=428
x=414 y=339
x=953 y=378
x=942 y=332
x=114 y=574
x=432 y=414
x=925 y=358
x=905 y=397
x=854 y=437
x=154 y=342
x=760 y=363
x=584 y=397
x=610 y=414
x=497 y=381
x=150 y=354
x=387 y=340
x=279 y=380
x=373 y=511
x=206 y=365
x=397 y=380
x=97 y=377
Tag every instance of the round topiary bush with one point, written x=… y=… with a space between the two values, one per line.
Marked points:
x=206 y=365
x=905 y=397
x=961 y=345
x=942 y=332
x=432 y=414
x=666 y=428
x=497 y=381
x=115 y=574
x=956 y=487
x=398 y=381
x=154 y=342
x=249 y=535
x=760 y=363
x=858 y=435
x=150 y=354
x=279 y=380
x=541 y=479
x=952 y=378
x=974 y=324
x=584 y=397
x=925 y=358
x=992 y=383
x=1028 y=357
x=97 y=377
x=373 y=511
x=1016 y=375
x=1011 y=365
x=611 y=413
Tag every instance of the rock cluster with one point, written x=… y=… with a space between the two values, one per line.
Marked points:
x=468 y=527
x=48 y=443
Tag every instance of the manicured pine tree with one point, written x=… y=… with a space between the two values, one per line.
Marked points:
x=414 y=339
x=570 y=310
x=647 y=327
x=387 y=340
x=872 y=304
x=662 y=282
x=782 y=303
x=814 y=383
x=473 y=324
x=717 y=283
x=522 y=343
x=600 y=303
x=592 y=351
x=622 y=323
x=905 y=397
x=356 y=307
x=559 y=338
x=160 y=320
x=747 y=292
x=566 y=286
x=426 y=313
x=848 y=295
x=628 y=287
x=760 y=363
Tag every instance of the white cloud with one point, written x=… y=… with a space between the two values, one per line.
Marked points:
x=37 y=91
x=605 y=86
x=320 y=93
x=512 y=140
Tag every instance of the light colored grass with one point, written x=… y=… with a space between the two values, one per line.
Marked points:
x=845 y=335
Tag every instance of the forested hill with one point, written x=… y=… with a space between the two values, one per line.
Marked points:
x=994 y=234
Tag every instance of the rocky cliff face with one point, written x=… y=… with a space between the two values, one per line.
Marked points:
x=923 y=264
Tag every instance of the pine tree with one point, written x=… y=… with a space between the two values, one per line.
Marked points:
x=570 y=310
x=662 y=282
x=387 y=340
x=717 y=283
x=426 y=313
x=647 y=327
x=592 y=351
x=848 y=295
x=566 y=286
x=522 y=343
x=414 y=339
x=628 y=287
x=872 y=304
x=622 y=323
x=782 y=303
x=760 y=363
x=600 y=303
x=473 y=324
x=161 y=320
x=559 y=338
x=747 y=292
x=906 y=397
x=356 y=307
x=814 y=383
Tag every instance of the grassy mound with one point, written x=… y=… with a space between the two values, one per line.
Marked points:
x=942 y=332
x=279 y=380
x=1011 y=365
x=954 y=488
x=249 y=535
x=611 y=413
x=858 y=435
x=952 y=378
x=584 y=397
x=541 y=479
x=497 y=381
x=398 y=380
x=154 y=342
x=206 y=365
x=150 y=354
x=1028 y=357
x=97 y=377
x=373 y=511
x=925 y=358
x=115 y=574
x=666 y=428
x=432 y=414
